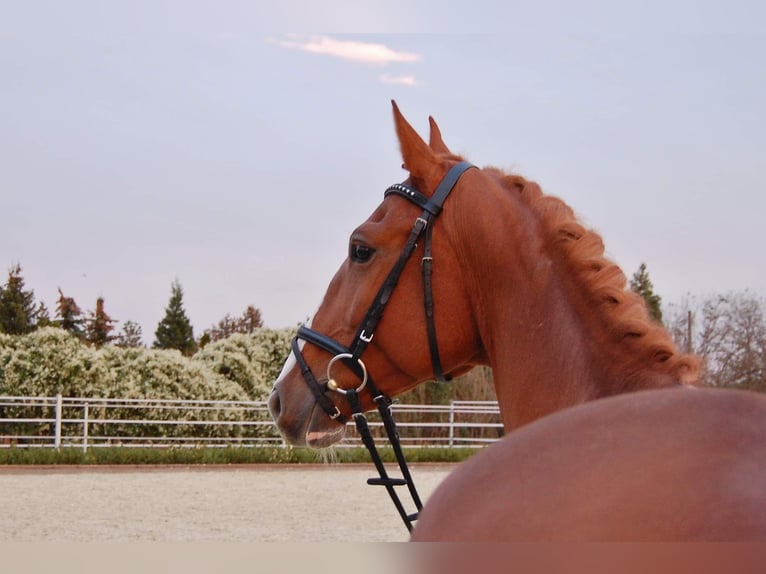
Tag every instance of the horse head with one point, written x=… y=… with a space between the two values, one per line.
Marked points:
x=398 y=355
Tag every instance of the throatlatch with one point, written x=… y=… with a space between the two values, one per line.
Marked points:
x=351 y=355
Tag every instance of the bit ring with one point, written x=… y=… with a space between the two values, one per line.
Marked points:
x=333 y=385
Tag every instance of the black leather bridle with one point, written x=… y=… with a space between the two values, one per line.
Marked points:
x=351 y=355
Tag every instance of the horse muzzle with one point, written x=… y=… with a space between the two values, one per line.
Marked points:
x=299 y=421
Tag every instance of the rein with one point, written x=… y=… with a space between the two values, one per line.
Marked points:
x=351 y=355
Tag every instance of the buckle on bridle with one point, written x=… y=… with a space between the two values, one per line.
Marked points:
x=363 y=336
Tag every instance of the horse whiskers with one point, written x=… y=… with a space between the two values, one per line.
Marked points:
x=327 y=455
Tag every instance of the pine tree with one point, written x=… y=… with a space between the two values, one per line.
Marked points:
x=42 y=316
x=99 y=326
x=130 y=336
x=204 y=340
x=175 y=330
x=641 y=284
x=17 y=307
x=69 y=315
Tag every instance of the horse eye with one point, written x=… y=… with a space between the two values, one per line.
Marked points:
x=360 y=253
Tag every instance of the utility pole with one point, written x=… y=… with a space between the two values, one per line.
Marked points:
x=689 y=345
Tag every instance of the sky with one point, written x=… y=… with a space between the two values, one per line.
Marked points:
x=234 y=146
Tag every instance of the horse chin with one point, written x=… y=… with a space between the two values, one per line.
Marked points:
x=322 y=431
x=319 y=440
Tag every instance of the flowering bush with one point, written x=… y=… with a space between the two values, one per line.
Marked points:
x=253 y=361
x=51 y=361
x=47 y=362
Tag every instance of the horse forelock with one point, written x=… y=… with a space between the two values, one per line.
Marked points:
x=622 y=312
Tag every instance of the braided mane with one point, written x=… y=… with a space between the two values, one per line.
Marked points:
x=622 y=312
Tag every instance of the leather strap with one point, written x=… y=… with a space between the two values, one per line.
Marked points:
x=431 y=209
x=317 y=390
x=427 y=264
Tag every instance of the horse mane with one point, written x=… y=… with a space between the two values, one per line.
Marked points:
x=622 y=312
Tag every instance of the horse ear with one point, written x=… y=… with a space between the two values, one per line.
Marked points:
x=436 y=142
x=419 y=159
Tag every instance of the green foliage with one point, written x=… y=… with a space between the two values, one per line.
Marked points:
x=52 y=361
x=248 y=322
x=175 y=331
x=69 y=315
x=275 y=348
x=99 y=326
x=130 y=336
x=252 y=361
x=227 y=455
x=46 y=362
x=17 y=308
x=137 y=373
x=641 y=284
x=42 y=316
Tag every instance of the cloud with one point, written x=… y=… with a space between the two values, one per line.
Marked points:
x=401 y=80
x=364 y=52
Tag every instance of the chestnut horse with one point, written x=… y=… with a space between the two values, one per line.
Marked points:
x=520 y=285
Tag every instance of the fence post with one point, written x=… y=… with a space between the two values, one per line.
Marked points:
x=85 y=427
x=451 y=423
x=57 y=427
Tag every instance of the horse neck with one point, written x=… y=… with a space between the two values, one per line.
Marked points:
x=546 y=349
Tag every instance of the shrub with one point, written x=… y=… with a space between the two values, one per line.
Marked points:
x=253 y=361
x=47 y=362
x=52 y=361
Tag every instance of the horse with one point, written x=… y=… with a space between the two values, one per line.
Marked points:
x=608 y=434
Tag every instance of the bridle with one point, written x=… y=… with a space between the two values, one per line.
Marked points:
x=351 y=355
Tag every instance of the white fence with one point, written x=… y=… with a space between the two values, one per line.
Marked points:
x=97 y=422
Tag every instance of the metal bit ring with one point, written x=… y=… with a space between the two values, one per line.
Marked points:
x=333 y=385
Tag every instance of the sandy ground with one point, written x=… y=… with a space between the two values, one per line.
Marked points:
x=307 y=503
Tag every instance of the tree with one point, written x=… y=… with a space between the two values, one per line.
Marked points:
x=42 y=317
x=641 y=284
x=17 y=307
x=99 y=326
x=130 y=337
x=251 y=320
x=69 y=315
x=733 y=341
x=729 y=333
x=204 y=339
x=247 y=323
x=175 y=330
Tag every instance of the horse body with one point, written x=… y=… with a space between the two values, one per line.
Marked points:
x=522 y=286
x=670 y=465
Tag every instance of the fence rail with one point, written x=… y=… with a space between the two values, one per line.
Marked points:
x=76 y=422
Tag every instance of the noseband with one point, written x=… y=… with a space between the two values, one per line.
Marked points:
x=351 y=356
